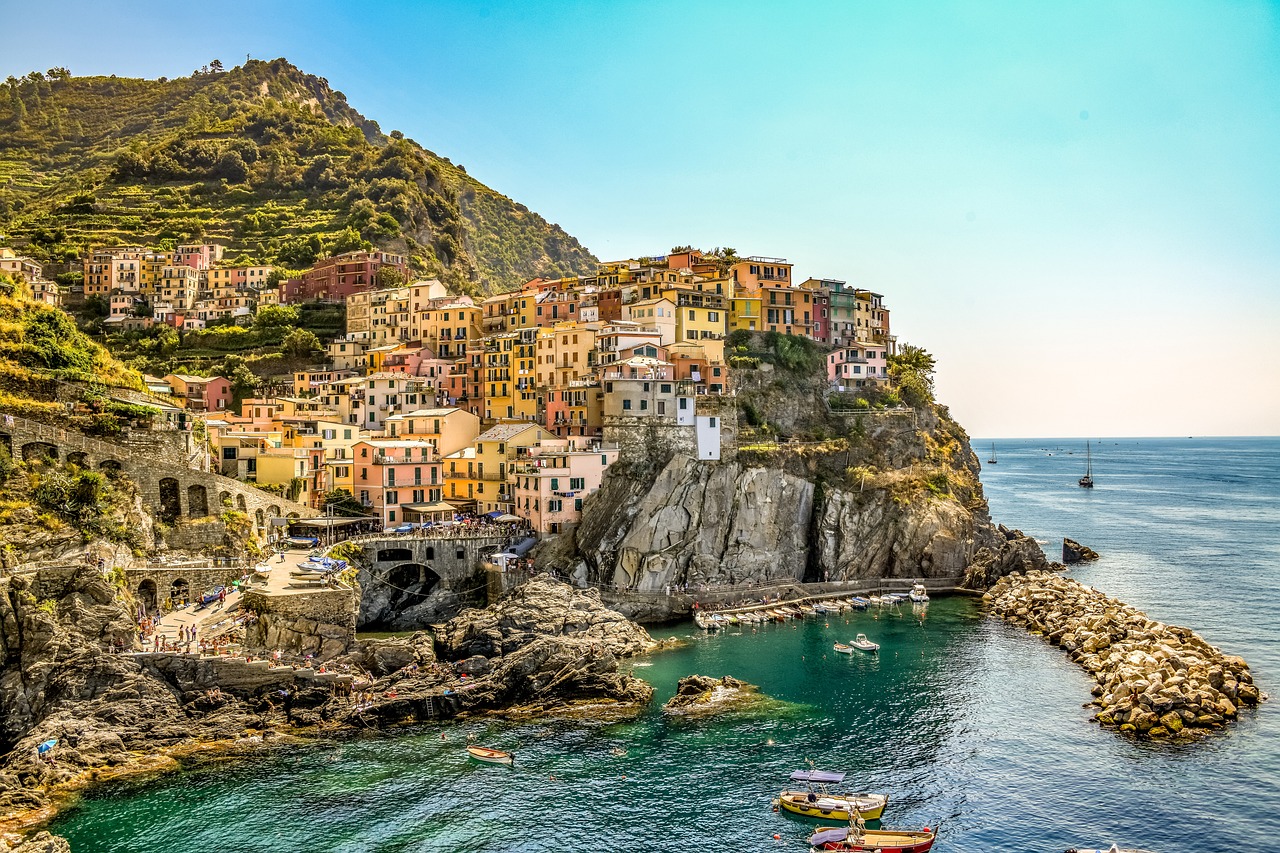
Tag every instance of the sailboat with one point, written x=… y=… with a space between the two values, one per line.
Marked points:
x=1086 y=482
x=992 y=460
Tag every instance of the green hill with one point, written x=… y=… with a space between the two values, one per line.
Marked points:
x=268 y=160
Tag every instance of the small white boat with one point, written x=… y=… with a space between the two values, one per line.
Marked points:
x=862 y=644
x=262 y=569
x=842 y=649
x=490 y=756
x=919 y=593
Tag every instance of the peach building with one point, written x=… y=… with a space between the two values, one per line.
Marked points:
x=554 y=478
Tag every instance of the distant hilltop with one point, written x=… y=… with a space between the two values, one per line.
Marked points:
x=263 y=158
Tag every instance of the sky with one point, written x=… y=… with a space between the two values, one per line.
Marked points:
x=1074 y=206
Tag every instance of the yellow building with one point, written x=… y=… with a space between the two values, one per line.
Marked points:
x=565 y=352
x=448 y=429
x=460 y=481
x=744 y=313
x=497 y=450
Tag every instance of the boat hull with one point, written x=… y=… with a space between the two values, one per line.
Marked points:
x=884 y=841
x=870 y=807
x=490 y=756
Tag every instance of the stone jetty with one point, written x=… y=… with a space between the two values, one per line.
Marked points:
x=1153 y=680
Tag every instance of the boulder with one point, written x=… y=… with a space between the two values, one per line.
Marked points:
x=701 y=696
x=1074 y=552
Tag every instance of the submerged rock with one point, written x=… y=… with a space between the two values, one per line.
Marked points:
x=1153 y=680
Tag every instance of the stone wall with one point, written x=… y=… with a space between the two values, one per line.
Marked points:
x=656 y=437
x=408 y=583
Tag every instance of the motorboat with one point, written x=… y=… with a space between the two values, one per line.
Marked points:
x=919 y=593
x=858 y=602
x=818 y=802
x=862 y=644
x=882 y=840
x=490 y=756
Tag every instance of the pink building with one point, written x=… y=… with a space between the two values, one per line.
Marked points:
x=201 y=393
x=334 y=279
x=399 y=480
x=551 y=483
x=198 y=256
x=858 y=366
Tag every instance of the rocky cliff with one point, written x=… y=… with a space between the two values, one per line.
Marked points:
x=900 y=499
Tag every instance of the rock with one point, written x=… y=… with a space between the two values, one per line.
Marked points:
x=41 y=842
x=701 y=696
x=1155 y=680
x=542 y=607
x=1074 y=552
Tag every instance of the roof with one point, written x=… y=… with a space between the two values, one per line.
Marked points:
x=425 y=413
x=825 y=777
x=434 y=506
x=505 y=432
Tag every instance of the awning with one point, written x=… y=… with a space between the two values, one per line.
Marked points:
x=824 y=777
x=494 y=515
x=505 y=518
x=434 y=506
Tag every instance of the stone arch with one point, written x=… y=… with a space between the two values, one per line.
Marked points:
x=170 y=500
x=197 y=501
x=180 y=592
x=110 y=467
x=6 y=441
x=224 y=500
x=240 y=504
x=408 y=584
x=78 y=458
x=273 y=511
x=34 y=450
x=388 y=555
x=259 y=518
x=147 y=595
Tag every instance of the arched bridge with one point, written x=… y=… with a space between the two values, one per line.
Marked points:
x=170 y=491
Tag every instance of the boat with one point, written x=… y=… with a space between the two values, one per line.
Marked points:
x=818 y=802
x=262 y=569
x=706 y=622
x=1086 y=482
x=859 y=603
x=992 y=460
x=490 y=756
x=1112 y=849
x=882 y=840
x=841 y=648
x=862 y=644
x=303 y=541
x=919 y=593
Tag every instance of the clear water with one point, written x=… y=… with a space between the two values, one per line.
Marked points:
x=967 y=724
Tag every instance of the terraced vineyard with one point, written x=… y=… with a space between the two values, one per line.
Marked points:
x=263 y=158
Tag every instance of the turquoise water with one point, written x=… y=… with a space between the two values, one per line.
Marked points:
x=967 y=724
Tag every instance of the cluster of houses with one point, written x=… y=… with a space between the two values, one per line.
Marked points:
x=434 y=403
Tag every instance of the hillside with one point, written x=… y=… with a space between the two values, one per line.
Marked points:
x=263 y=158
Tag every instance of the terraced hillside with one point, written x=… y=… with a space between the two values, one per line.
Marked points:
x=266 y=159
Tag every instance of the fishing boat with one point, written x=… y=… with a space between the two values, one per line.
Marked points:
x=862 y=644
x=919 y=593
x=859 y=603
x=262 y=569
x=817 y=801
x=992 y=460
x=842 y=649
x=490 y=756
x=882 y=840
x=1086 y=482
x=303 y=541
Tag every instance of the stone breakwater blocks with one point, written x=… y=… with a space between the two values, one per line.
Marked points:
x=1153 y=680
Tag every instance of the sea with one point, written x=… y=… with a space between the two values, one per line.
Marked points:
x=971 y=726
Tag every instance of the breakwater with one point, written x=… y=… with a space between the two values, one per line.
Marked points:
x=1153 y=680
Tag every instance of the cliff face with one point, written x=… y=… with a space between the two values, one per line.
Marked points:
x=899 y=501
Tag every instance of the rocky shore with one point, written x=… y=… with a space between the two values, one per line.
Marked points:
x=701 y=696
x=1153 y=680
x=546 y=648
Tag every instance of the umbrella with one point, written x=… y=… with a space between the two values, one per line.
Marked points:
x=47 y=745
x=507 y=518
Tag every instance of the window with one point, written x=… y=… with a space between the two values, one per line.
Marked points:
x=626 y=405
x=461 y=554
x=364 y=473
x=713 y=423
x=391 y=515
x=577 y=483
x=555 y=484
x=644 y=404
x=577 y=505
x=604 y=460
x=228 y=453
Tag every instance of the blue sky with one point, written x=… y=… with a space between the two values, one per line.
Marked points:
x=1075 y=207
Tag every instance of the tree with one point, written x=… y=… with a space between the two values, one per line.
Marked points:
x=215 y=66
x=341 y=502
x=912 y=370
x=243 y=381
x=300 y=343
x=349 y=240
x=273 y=316
x=232 y=168
x=389 y=276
